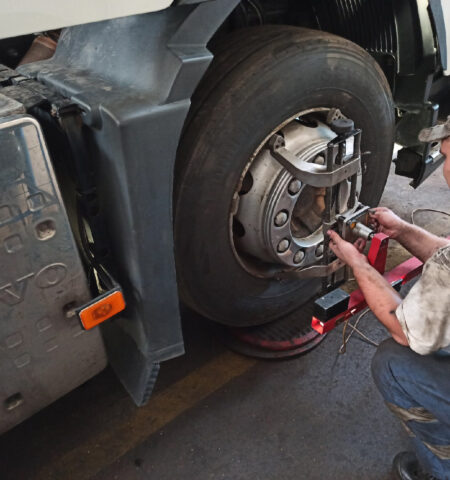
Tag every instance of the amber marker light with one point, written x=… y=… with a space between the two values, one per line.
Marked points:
x=104 y=308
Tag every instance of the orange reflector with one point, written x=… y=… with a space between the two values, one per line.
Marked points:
x=101 y=310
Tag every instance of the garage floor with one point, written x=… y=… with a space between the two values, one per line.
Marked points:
x=218 y=415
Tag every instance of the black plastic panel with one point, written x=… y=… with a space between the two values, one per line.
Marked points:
x=134 y=77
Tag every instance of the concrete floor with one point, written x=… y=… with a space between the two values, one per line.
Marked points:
x=218 y=415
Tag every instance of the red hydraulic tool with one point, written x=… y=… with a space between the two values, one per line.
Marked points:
x=338 y=306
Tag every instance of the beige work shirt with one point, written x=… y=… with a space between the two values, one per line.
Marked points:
x=424 y=314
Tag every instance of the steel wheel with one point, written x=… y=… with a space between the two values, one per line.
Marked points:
x=277 y=224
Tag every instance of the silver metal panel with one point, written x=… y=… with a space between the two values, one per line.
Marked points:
x=44 y=353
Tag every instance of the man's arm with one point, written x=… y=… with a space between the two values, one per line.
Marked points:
x=419 y=242
x=381 y=298
x=416 y=240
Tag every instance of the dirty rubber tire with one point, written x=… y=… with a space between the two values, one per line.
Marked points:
x=265 y=76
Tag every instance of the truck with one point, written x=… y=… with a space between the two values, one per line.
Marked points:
x=143 y=167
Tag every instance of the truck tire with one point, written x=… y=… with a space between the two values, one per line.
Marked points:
x=265 y=79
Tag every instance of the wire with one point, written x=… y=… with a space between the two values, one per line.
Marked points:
x=345 y=339
x=426 y=210
x=372 y=342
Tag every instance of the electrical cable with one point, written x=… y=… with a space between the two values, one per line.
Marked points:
x=426 y=210
x=362 y=335
x=345 y=339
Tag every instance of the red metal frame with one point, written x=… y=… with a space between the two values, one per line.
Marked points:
x=377 y=258
x=378 y=252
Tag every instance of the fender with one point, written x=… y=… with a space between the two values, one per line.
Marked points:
x=440 y=11
x=404 y=37
x=133 y=78
x=421 y=57
x=417 y=53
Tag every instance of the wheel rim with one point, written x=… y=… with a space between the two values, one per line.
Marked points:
x=277 y=220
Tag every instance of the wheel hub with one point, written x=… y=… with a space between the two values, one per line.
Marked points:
x=279 y=219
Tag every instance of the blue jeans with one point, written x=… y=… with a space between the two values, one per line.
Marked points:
x=417 y=390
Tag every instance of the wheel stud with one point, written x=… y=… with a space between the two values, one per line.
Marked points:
x=294 y=186
x=281 y=218
x=319 y=250
x=299 y=256
x=283 y=245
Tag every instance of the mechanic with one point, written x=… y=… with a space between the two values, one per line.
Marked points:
x=412 y=369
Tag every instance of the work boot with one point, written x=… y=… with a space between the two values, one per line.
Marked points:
x=407 y=467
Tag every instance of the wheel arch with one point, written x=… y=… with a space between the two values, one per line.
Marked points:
x=405 y=37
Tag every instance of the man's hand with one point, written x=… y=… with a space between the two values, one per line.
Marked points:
x=381 y=298
x=386 y=221
x=347 y=252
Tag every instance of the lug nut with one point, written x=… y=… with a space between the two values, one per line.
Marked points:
x=299 y=256
x=319 y=250
x=283 y=245
x=294 y=186
x=281 y=218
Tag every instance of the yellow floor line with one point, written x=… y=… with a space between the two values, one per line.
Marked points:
x=92 y=457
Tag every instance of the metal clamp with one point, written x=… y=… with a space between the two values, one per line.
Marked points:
x=342 y=162
x=311 y=173
x=354 y=225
